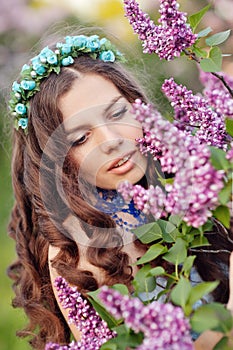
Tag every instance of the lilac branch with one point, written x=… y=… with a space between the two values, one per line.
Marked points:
x=193 y=56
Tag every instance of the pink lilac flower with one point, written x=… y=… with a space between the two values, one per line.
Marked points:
x=196 y=184
x=170 y=37
x=164 y=325
x=216 y=93
x=94 y=330
x=194 y=114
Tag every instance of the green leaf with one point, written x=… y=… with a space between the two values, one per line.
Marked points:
x=152 y=253
x=229 y=126
x=121 y=288
x=175 y=220
x=180 y=293
x=218 y=38
x=204 y=32
x=226 y=193
x=148 y=233
x=156 y=271
x=222 y=213
x=187 y=265
x=177 y=253
x=99 y=307
x=200 y=290
x=218 y=158
x=199 y=52
x=212 y=316
x=142 y=282
x=199 y=241
x=223 y=344
x=124 y=341
x=196 y=18
x=169 y=230
x=109 y=345
x=214 y=62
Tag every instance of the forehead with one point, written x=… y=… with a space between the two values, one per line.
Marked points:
x=88 y=91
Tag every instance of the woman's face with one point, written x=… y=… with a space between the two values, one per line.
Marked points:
x=102 y=132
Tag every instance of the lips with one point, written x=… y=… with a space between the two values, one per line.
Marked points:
x=120 y=161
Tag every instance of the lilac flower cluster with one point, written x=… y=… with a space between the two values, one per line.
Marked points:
x=194 y=114
x=170 y=37
x=216 y=93
x=164 y=325
x=93 y=329
x=196 y=184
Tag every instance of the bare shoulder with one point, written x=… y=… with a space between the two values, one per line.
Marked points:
x=53 y=251
x=207 y=340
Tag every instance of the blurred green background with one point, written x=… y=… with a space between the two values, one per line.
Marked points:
x=22 y=23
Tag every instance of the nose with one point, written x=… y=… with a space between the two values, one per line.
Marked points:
x=109 y=139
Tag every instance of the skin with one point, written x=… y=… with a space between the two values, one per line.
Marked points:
x=102 y=132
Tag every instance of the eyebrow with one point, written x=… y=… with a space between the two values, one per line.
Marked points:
x=113 y=101
x=84 y=126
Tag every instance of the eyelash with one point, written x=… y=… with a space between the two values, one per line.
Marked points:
x=120 y=113
x=79 y=141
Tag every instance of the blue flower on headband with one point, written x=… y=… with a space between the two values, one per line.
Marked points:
x=39 y=68
x=28 y=84
x=35 y=60
x=25 y=67
x=23 y=123
x=93 y=43
x=20 y=108
x=66 y=48
x=107 y=56
x=80 y=41
x=16 y=87
x=46 y=52
x=52 y=59
x=67 y=61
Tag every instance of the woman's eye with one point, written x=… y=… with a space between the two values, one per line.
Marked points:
x=119 y=113
x=79 y=141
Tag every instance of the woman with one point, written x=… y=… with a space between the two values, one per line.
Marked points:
x=74 y=143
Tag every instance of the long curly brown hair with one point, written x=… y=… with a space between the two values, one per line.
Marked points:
x=41 y=207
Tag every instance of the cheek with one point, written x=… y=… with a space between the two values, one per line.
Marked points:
x=132 y=132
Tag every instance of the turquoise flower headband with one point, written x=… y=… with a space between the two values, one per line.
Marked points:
x=49 y=61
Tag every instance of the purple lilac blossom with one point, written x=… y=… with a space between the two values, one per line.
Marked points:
x=93 y=329
x=194 y=191
x=164 y=325
x=216 y=93
x=194 y=114
x=170 y=37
